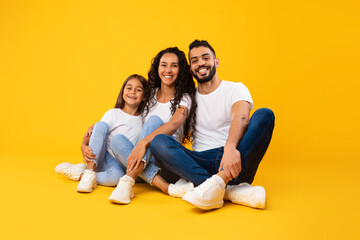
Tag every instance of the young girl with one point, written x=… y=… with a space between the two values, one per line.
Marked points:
x=171 y=111
x=126 y=119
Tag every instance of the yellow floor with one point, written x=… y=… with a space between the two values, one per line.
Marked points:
x=37 y=203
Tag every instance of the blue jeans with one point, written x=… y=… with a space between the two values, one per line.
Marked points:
x=108 y=169
x=196 y=166
x=122 y=147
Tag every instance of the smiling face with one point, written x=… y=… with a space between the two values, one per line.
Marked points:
x=203 y=64
x=168 y=69
x=133 y=93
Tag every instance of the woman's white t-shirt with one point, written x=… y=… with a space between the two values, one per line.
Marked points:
x=122 y=123
x=163 y=110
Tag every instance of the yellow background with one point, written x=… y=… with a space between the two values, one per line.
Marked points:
x=62 y=64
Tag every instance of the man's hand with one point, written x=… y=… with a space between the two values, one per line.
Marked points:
x=231 y=163
x=136 y=156
x=87 y=154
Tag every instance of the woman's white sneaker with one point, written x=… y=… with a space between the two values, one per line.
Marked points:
x=123 y=191
x=247 y=195
x=70 y=170
x=208 y=195
x=88 y=182
x=180 y=188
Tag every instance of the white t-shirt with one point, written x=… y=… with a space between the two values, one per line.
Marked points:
x=213 y=115
x=163 y=110
x=122 y=123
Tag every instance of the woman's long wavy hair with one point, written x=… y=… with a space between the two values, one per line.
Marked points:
x=183 y=84
x=120 y=102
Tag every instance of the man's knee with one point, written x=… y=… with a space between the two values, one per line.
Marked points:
x=160 y=142
x=265 y=114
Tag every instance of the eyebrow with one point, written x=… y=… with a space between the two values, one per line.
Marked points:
x=129 y=84
x=171 y=63
x=200 y=56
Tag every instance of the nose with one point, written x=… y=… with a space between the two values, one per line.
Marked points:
x=201 y=62
x=168 y=69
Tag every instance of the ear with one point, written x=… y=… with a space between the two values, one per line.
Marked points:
x=217 y=62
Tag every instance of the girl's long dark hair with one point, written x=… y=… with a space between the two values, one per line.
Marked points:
x=183 y=84
x=120 y=102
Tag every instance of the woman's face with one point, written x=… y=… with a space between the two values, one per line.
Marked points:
x=133 y=92
x=169 y=69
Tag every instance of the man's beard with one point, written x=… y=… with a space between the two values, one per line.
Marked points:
x=206 y=79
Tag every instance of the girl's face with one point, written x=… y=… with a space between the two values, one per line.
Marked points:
x=168 y=69
x=133 y=93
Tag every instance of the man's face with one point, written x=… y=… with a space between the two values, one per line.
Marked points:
x=203 y=64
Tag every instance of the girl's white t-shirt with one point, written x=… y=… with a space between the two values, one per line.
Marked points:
x=122 y=123
x=163 y=110
x=213 y=114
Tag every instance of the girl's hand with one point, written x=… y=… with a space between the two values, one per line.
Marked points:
x=87 y=154
x=136 y=156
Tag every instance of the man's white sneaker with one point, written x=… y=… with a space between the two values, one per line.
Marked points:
x=71 y=171
x=88 y=182
x=247 y=195
x=123 y=191
x=180 y=188
x=208 y=195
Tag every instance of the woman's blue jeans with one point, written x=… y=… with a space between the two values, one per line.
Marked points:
x=196 y=167
x=122 y=147
x=108 y=169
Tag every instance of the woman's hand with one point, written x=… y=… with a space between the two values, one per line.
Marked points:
x=87 y=154
x=89 y=131
x=136 y=156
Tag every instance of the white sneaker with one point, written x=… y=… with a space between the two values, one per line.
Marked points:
x=88 y=182
x=208 y=195
x=247 y=195
x=123 y=191
x=180 y=188
x=71 y=171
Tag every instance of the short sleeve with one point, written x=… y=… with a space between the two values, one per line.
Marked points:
x=240 y=92
x=108 y=117
x=186 y=101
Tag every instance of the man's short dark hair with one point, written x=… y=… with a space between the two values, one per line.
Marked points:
x=201 y=43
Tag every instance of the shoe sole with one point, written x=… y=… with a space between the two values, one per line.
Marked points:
x=113 y=200
x=261 y=205
x=204 y=206
x=85 y=190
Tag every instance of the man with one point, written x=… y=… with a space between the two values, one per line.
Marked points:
x=227 y=146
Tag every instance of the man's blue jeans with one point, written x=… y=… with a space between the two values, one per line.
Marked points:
x=196 y=167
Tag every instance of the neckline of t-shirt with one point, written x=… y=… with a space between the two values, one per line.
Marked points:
x=213 y=92
x=127 y=113
x=157 y=99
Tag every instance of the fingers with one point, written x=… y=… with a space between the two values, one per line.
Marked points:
x=130 y=165
x=137 y=164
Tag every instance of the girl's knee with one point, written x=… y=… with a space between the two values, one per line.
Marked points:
x=101 y=126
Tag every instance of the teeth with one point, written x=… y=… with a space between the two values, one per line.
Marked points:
x=202 y=70
x=168 y=76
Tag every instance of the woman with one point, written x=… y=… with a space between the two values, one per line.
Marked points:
x=171 y=111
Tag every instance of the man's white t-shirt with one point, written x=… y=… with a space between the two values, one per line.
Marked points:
x=122 y=123
x=163 y=110
x=213 y=115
